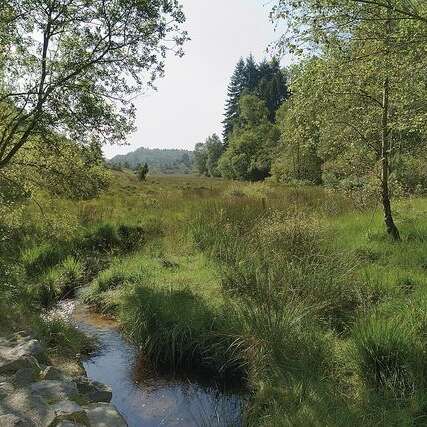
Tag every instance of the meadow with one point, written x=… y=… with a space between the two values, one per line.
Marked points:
x=296 y=294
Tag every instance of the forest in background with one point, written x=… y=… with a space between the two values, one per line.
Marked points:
x=350 y=115
x=163 y=161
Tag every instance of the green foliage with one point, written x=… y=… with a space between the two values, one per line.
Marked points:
x=389 y=355
x=265 y=80
x=207 y=155
x=251 y=146
x=40 y=258
x=87 y=56
x=143 y=171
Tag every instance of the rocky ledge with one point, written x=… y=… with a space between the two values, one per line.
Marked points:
x=33 y=394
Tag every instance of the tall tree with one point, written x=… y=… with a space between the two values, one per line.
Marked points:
x=367 y=45
x=252 y=144
x=73 y=66
x=235 y=89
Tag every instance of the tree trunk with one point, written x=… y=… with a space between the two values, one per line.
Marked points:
x=385 y=167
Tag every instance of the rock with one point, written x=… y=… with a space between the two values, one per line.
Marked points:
x=104 y=415
x=54 y=390
x=67 y=423
x=25 y=376
x=6 y=389
x=23 y=354
x=32 y=409
x=10 y=363
x=67 y=410
x=93 y=390
x=11 y=420
x=51 y=373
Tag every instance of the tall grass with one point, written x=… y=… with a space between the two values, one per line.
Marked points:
x=296 y=291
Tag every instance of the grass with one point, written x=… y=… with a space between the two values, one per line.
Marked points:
x=295 y=291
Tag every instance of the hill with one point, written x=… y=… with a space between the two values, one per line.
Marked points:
x=166 y=161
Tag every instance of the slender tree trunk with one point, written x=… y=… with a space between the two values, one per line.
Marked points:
x=385 y=167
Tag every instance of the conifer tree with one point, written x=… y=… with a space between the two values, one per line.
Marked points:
x=235 y=89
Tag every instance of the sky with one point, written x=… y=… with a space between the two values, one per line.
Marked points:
x=189 y=102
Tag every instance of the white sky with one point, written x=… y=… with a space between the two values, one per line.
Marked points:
x=189 y=103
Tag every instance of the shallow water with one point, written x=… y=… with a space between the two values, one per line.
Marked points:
x=147 y=401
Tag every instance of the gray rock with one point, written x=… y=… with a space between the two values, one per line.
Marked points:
x=51 y=373
x=11 y=420
x=69 y=411
x=10 y=363
x=93 y=390
x=6 y=389
x=17 y=355
x=54 y=390
x=67 y=423
x=104 y=415
x=25 y=376
x=32 y=409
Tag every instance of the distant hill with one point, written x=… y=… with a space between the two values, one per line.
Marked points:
x=165 y=161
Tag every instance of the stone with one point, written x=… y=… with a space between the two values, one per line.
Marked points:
x=54 y=390
x=6 y=389
x=10 y=363
x=67 y=410
x=67 y=423
x=11 y=420
x=25 y=376
x=104 y=415
x=93 y=390
x=23 y=354
x=51 y=373
x=32 y=409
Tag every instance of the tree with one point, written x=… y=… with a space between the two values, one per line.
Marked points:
x=252 y=144
x=200 y=159
x=235 y=89
x=298 y=157
x=143 y=171
x=272 y=87
x=72 y=67
x=207 y=155
x=214 y=149
x=266 y=80
x=367 y=47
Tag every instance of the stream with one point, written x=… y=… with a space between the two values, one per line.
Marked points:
x=147 y=400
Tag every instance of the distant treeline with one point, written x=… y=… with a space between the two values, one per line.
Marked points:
x=166 y=161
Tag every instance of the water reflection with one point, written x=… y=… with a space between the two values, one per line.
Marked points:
x=147 y=401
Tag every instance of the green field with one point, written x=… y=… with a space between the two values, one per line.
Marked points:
x=295 y=293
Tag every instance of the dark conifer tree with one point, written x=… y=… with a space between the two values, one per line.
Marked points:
x=235 y=88
x=251 y=75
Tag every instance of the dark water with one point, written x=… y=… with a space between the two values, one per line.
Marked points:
x=151 y=402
